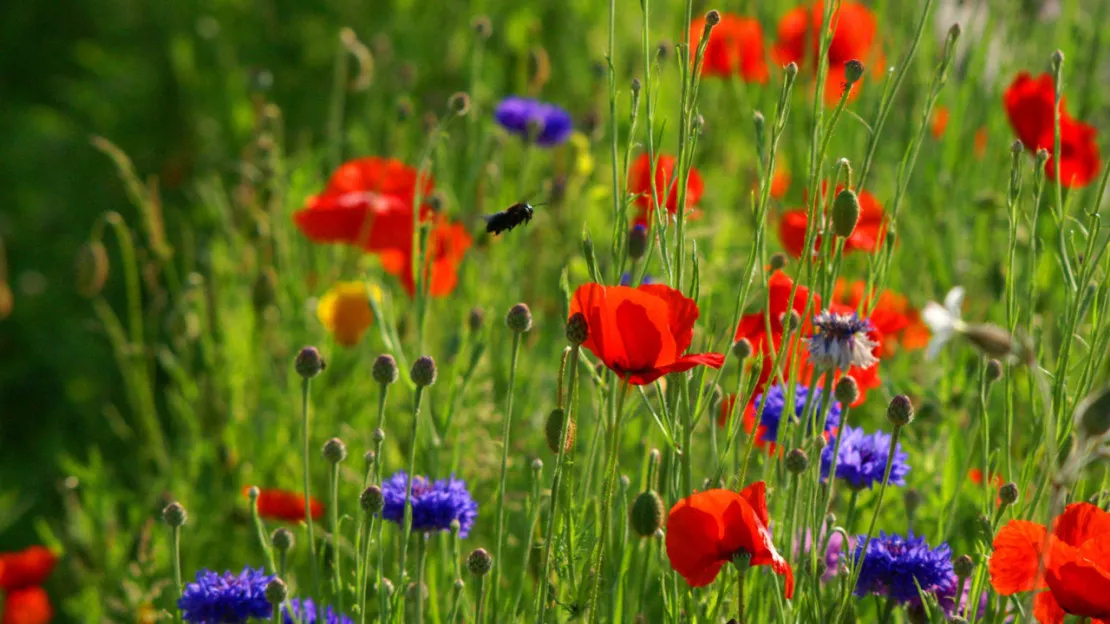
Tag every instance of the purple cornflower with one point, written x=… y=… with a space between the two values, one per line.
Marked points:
x=841 y=341
x=225 y=598
x=895 y=567
x=862 y=459
x=626 y=280
x=776 y=403
x=545 y=124
x=434 y=504
x=304 y=612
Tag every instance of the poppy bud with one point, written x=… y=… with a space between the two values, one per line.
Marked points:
x=459 y=103
x=637 y=242
x=423 y=371
x=991 y=339
x=519 y=318
x=372 y=499
x=963 y=566
x=846 y=390
x=1093 y=414
x=476 y=319
x=1041 y=156
x=384 y=370
x=282 y=539
x=309 y=362
x=742 y=349
x=91 y=268
x=1057 y=60
x=1008 y=493
x=797 y=461
x=900 y=411
x=1016 y=147
x=791 y=70
x=636 y=86
x=482 y=27
x=712 y=18
x=647 y=513
x=276 y=591
x=253 y=493
x=174 y=515
x=553 y=431
x=335 y=451
x=577 y=329
x=479 y=562
x=790 y=320
x=778 y=261
x=377 y=435
x=853 y=71
x=845 y=213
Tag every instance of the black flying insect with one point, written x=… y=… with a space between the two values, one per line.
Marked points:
x=509 y=218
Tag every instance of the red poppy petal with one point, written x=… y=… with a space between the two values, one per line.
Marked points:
x=641 y=335
x=1016 y=558
x=30 y=605
x=692 y=539
x=756 y=495
x=1081 y=522
x=682 y=314
x=792 y=231
x=1079 y=584
x=1046 y=610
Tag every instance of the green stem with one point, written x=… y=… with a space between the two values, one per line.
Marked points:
x=421 y=558
x=414 y=442
x=338 y=577
x=506 y=424
x=478 y=604
x=176 y=536
x=305 y=383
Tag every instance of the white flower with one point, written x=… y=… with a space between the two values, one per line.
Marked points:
x=943 y=321
x=841 y=341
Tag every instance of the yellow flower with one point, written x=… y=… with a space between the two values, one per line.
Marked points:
x=345 y=311
x=584 y=160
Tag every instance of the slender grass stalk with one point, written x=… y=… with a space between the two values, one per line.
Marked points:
x=305 y=384
x=506 y=424
x=337 y=578
x=421 y=561
x=478 y=604
x=175 y=535
x=414 y=441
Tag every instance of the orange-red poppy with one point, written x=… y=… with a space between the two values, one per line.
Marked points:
x=639 y=182
x=780 y=184
x=755 y=326
x=1079 y=155
x=854 y=39
x=939 y=122
x=372 y=174
x=975 y=475
x=898 y=322
x=25 y=568
x=640 y=333
x=735 y=47
x=1076 y=571
x=709 y=529
x=29 y=605
x=283 y=505
x=447 y=245
x=867 y=236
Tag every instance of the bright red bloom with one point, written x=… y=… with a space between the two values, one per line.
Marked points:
x=855 y=37
x=867 y=236
x=26 y=568
x=639 y=182
x=447 y=245
x=640 y=333
x=1079 y=156
x=29 y=605
x=939 y=122
x=976 y=477
x=735 y=47
x=708 y=529
x=371 y=174
x=1076 y=563
x=287 y=506
x=898 y=322
x=754 y=326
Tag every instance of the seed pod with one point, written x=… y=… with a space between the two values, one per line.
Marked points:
x=646 y=516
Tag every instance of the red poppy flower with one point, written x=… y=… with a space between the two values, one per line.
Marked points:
x=754 y=326
x=447 y=245
x=735 y=47
x=898 y=322
x=867 y=236
x=975 y=475
x=1076 y=563
x=29 y=605
x=640 y=333
x=1079 y=156
x=639 y=182
x=25 y=568
x=287 y=506
x=939 y=123
x=708 y=529
x=371 y=174
x=799 y=39
x=780 y=184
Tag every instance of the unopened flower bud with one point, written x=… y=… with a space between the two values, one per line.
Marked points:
x=479 y=562
x=282 y=539
x=790 y=320
x=636 y=86
x=537 y=464
x=1016 y=147
x=791 y=69
x=845 y=213
x=476 y=319
x=276 y=591
x=519 y=318
x=900 y=411
x=577 y=329
x=423 y=371
x=797 y=461
x=1042 y=156
x=482 y=27
x=174 y=515
x=853 y=71
x=384 y=371
x=377 y=435
x=553 y=431
x=1057 y=60
x=309 y=362
x=778 y=261
x=646 y=516
x=459 y=103
x=637 y=242
x=712 y=18
x=386 y=587
x=846 y=391
x=1008 y=493
x=742 y=349
x=963 y=566
x=372 y=499
x=91 y=268
x=335 y=451
x=253 y=493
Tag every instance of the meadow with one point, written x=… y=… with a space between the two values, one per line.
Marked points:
x=556 y=311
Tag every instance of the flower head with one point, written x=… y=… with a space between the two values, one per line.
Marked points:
x=1075 y=571
x=708 y=529
x=799 y=40
x=862 y=459
x=26 y=568
x=28 y=605
x=345 y=311
x=545 y=124
x=735 y=48
x=774 y=412
x=304 y=611
x=225 y=598
x=1031 y=108
x=641 y=333
x=891 y=315
x=867 y=235
x=841 y=341
x=895 y=566
x=666 y=177
x=283 y=505
x=434 y=503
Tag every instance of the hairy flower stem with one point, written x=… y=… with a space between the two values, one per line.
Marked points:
x=414 y=441
x=305 y=384
x=175 y=533
x=506 y=424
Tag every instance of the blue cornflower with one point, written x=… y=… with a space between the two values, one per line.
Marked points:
x=626 y=280
x=545 y=124
x=776 y=404
x=893 y=564
x=862 y=459
x=434 y=504
x=304 y=612
x=841 y=341
x=225 y=598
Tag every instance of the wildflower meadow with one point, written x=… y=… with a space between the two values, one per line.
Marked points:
x=560 y=311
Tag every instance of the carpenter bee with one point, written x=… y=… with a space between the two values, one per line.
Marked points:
x=509 y=218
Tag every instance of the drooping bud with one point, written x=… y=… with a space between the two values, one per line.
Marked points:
x=553 y=431
x=900 y=411
x=646 y=516
x=91 y=268
x=372 y=499
x=335 y=451
x=846 y=390
x=637 y=242
x=309 y=362
x=479 y=562
x=423 y=371
x=282 y=539
x=174 y=515
x=742 y=349
x=797 y=461
x=519 y=318
x=845 y=213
